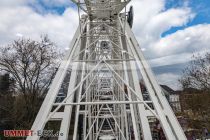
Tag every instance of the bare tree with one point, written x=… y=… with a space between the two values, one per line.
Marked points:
x=32 y=64
x=197 y=74
x=196 y=88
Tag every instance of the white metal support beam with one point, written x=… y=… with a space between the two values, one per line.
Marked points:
x=104 y=86
x=170 y=125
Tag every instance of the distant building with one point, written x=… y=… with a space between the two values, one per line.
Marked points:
x=173 y=98
x=4 y=83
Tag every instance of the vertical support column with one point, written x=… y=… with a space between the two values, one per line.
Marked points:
x=145 y=128
x=65 y=122
x=78 y=106
x=170 y=125
x=46 y=107
x=162 y=118
x=131 y=105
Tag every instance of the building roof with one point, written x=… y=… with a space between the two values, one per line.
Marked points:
x=168 y=89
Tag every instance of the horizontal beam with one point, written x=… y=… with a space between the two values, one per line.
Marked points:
x=106 y=60
x=101 y=103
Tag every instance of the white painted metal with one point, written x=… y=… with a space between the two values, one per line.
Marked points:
x=169 y=122
x=105 y=98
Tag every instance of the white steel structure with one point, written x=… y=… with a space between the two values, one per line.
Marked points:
x=111 y=91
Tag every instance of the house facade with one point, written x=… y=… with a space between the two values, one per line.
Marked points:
x=173 y=98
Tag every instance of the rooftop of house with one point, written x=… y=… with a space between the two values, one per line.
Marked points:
x=168 y=89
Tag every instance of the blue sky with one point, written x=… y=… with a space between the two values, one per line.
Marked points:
x=169 y=31
x=42 y=7
x=200 y=7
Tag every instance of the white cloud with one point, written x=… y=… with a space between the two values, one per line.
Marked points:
x=171 y=60
x=19 y=35
x=169 y=79
x=144 y=10
x=166 y=20
x=151 y=19
x=11 y=3
x=23 y=20
x=189 y=40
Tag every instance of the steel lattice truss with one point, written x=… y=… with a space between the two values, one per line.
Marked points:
x=104 y=88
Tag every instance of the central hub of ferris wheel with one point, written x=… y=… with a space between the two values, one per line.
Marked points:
x=104 y=88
